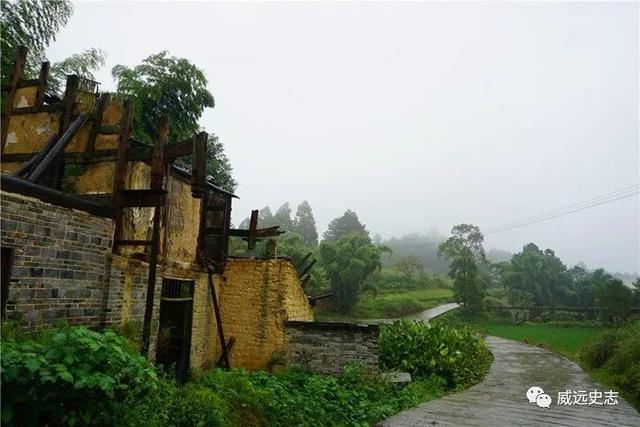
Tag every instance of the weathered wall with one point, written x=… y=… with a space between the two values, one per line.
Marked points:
x=63 y=268
x=181 y=222
x=325 y=347
x=257 y=296
x=60 y=261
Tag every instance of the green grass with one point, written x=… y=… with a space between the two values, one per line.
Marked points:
x=392 y=304
x=562 y=337
x=564 y=340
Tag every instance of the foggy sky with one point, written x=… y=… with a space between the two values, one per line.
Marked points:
x=415 y=115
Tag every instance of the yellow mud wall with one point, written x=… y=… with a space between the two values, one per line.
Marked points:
x=182 y=221
x=257 y=296
x=28 y=133
x=96 y=178
x=25 y=97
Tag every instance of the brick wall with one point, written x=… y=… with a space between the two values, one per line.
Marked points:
x=325 y=347
x=61 y=260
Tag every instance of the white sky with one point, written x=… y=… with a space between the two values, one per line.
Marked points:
x=415 y=115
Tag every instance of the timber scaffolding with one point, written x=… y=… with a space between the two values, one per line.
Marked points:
x=41 y=175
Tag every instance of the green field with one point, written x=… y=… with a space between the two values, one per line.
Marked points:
x=564 y=340
x=390 y=305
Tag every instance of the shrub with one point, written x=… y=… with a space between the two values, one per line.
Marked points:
x=456 y=355
x=596 y=353
x=73 y=376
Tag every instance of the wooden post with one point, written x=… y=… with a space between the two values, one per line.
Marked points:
x=120 y=175
x=199 y=167
x=157 y=179
x=253 y=226
x=157 y=159
x=97 y=124
x=43 y=80
x=7 y=106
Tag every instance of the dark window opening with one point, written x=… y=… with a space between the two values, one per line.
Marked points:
x=7 y=262
x=174 y=335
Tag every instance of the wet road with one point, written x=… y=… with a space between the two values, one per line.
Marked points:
x=500 y=400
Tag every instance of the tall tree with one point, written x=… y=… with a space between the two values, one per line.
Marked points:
x=347 y=263
x=83 y=64
x=282 y=217
x=345 y=225
x=410 y=266
x=219 y=165
x=305 y=224
x=612 y=298
x=464 y=249
x=537 y=278
x=30 y=23
x=165 y=84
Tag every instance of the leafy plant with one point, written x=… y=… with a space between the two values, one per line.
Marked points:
x=76 y=376
x=455 y=354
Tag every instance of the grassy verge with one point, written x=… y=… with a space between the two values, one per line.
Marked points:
x=392 y=304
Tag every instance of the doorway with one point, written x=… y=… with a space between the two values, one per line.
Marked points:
x=174 y=335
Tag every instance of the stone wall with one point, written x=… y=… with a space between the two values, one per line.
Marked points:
x=325 y=347
x=60 y=262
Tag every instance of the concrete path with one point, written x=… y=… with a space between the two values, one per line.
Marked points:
x=427 y=315
x=500 y=399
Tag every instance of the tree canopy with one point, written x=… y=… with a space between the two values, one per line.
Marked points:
x=464 y=249
x=33 y=24
x=305 y=224
x=347 y=263
x=83 y=64
x=165 y=85
x=345 y=225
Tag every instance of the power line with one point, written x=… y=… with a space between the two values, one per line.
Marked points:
x=602 y=199
x=578 y=209
x=631 y=190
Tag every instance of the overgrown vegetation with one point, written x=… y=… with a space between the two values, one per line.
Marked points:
x=457 y=355
x=75 y=376
x=614 y=359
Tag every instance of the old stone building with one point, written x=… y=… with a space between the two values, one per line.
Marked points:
x=91 y=217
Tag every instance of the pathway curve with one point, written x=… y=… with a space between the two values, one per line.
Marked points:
x=499 y=400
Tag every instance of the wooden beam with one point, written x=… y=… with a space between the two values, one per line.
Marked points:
x=199 y=165
x=43 y=81
x=151 y=281
x=157 y=160
x=96 y=125
x=120 y=175
x=133 y=242
x=35 y=158
x=308 y=267
x=51 y=108
x=141 y=198
x=7 y=107
x=179 y=149
x=14 y=184
x=69 y=100
x=253 y=225
x=57 y=149
x=216 y=310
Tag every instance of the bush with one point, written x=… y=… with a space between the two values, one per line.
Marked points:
x=72 y=376
x=458 y=356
